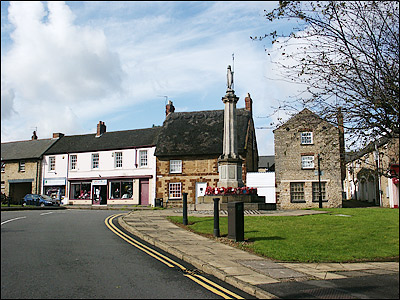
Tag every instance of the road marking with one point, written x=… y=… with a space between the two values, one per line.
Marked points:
x=46 y=213
x=12 y=220
x=204 y=282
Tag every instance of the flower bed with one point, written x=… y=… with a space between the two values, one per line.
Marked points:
x=210 y=191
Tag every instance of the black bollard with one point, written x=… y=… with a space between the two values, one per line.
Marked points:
x=216 y=217
x=236 y=221
x=185 y=218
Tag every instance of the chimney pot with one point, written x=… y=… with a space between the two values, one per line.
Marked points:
x=101 y=128
x=249 y=103
x=57 y=135
x=169 y=108
x=34 y=136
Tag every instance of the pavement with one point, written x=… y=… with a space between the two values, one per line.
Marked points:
x=251 y=273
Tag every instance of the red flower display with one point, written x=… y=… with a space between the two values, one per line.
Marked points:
x=211 y=191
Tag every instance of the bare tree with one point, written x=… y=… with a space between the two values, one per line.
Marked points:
x=346 y=54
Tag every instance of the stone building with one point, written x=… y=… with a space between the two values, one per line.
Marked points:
x=21 y=165
x=374 y=178
x=188 y=148
x=298 y=144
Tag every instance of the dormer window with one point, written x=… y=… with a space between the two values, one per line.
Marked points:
x=307 y=138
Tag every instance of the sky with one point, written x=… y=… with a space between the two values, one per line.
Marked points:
x=65 y=66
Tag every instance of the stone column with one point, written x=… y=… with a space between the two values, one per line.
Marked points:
x=230 y=164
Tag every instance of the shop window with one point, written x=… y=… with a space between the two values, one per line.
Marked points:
x=297 y=192
x=307 y=162
x=306 y=138
x=315 y=191
x=118 y=159
x=95 y=161
x=74 y=160
x=143 y=158
x=52 y=163
x=175 y=166
x=121 y=190
x=80 y=190
x=21 y=166
x=175 y=190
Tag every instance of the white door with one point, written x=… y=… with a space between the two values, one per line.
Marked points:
x=200 y=189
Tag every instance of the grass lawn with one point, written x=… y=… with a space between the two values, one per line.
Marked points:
x=342 y=235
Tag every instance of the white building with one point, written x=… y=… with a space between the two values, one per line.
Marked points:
x=106 y=168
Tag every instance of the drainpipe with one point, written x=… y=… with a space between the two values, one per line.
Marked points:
x=37 y=176
x=378 y=177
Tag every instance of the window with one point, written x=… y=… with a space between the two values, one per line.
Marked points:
x=3 y=167
x=143 y=158
x=118 y=160
x=80 y=190
x=175 y=166
x=297 y=192
x=52 y=163
x=175 y=190
x=121 y=190
x=306 y=138
x=307 y=162
x=73 y=162
x=315 y=191
x=95 y=161
x=21 y=166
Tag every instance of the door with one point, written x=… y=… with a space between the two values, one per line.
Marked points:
x=99 y=194
x=144 y=192
x=200 y=189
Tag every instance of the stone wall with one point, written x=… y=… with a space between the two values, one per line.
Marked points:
x=288 y=161
x=31 y=173
x=194 y=169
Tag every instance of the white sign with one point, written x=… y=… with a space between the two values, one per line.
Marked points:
x=54 y=182
x=99 y=182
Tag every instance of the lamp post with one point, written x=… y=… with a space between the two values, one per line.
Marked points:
x=319 y=183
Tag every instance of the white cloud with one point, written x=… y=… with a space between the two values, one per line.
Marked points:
x=76 y=64
x=54 y=61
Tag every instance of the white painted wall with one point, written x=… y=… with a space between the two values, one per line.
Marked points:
x=265 y=184
x=130 y=157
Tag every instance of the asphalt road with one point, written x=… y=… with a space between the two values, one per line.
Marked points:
x=73 y=254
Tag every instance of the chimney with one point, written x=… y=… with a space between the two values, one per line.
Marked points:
x=169 y=108
x=249 y=103
x=101 y=128
x=34 y=136
x=57 y=135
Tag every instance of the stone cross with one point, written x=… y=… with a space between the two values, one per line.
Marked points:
x=230 y=164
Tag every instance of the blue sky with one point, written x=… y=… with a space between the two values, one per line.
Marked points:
x=67 y=65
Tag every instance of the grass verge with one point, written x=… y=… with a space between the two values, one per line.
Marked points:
x=342 y=235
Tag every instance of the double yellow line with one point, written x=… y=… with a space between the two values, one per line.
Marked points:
x=201 y=280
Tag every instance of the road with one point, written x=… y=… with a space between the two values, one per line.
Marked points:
x=74 y=254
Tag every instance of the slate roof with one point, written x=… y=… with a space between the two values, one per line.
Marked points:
x=107 y=141
x=198 y=133
x=264 y=160
x=32 y=149
x=354 y=155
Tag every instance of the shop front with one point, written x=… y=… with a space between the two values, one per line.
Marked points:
x=55 y=188
x=110 y=191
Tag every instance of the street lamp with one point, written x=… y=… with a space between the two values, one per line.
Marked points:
x=319 y=182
